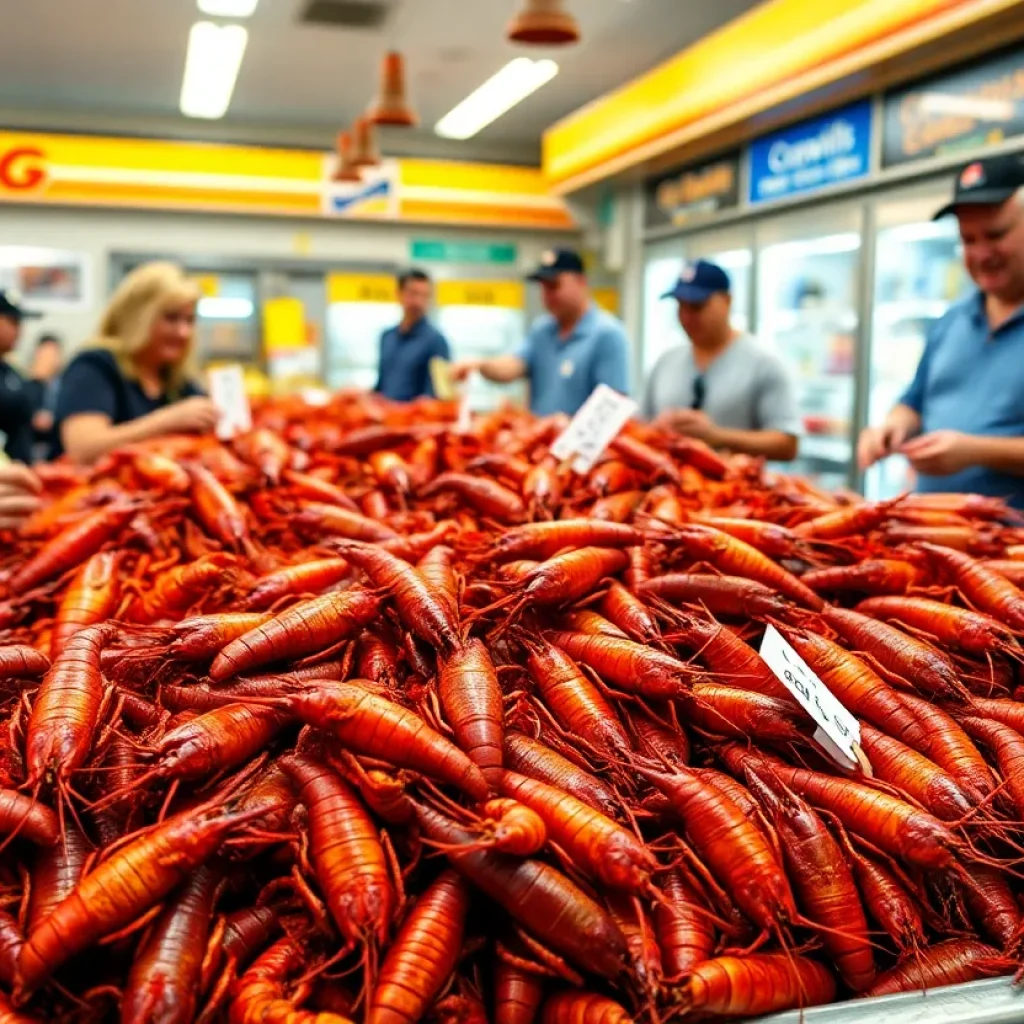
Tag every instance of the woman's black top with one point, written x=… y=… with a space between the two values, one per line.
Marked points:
x=94 y=383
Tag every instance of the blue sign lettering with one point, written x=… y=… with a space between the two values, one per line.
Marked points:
x=812 y=155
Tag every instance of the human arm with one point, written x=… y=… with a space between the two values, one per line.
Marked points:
x=19 y=494
x=777 y=445
x=500 y=369
x=875 y=443
x=942 y=452
x=89 y=435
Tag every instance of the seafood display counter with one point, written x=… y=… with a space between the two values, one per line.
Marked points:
x=366 y=715
x=994 y=1001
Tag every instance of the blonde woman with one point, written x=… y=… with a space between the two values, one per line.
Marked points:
x=131 y=382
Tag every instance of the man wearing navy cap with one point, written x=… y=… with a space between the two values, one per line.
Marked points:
x=567 y=353
x=961 y=421
x=722 y=388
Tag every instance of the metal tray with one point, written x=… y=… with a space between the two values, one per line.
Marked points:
x=994 y=1001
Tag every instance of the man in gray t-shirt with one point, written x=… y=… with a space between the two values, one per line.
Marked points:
x=722 y=387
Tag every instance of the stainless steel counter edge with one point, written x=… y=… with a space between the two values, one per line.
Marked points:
x=994 y=1001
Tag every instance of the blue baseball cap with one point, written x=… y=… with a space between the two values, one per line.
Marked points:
x=699 y=281
x=556 y=262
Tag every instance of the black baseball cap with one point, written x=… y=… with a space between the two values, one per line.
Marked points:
x=987 y=182
x=555 y=262
x=699 y=281
x=10 y=305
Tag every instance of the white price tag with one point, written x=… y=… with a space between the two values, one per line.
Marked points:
x=593 y=428
x=316 y=396
x=838 y=731
x=464 y=422
x=227 y=392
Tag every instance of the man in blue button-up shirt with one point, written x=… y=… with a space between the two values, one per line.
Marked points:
x=568 y=352
x=961 y=421
x=406 y=350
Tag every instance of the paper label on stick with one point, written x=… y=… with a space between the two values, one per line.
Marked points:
x=593 y=428
x=838 y=731
x=227 y=392
x=465 y=419
x=441 y=378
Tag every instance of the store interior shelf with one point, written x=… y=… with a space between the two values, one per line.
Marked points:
x=980 y=1002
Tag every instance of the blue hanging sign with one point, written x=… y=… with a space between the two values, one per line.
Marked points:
x=812 y=155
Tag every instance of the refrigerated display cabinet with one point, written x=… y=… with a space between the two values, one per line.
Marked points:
x=918 y=272
x=994 y=1001
x=353 y=341
x=808 y=272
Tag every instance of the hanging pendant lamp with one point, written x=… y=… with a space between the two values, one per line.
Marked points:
x=364 y=144
x=392 y=107
x=544 y=23
x=345 y=171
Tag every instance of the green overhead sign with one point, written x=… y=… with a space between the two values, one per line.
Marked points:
x=430 y=251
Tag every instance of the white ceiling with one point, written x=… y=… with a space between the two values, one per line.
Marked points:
x=109 y=65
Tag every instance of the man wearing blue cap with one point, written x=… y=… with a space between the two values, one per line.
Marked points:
x=723 y=387
x=961 y=421
x=567 y=353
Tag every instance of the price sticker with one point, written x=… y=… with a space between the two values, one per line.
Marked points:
x=464 y=422
x=227 y=392
x=317 y=397
x=838 y=731
x=441 y=378
x=593 y=428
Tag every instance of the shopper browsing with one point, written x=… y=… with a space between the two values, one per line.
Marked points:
x=132 y=382
x=44 y=384
x=722 y=387
x=406 y=350
x=17 y=400
x=568 y=352
x=961 y=421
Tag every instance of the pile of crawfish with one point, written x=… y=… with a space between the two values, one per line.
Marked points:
x=362 y=717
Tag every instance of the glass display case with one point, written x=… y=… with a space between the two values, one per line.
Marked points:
x=918 y=273
x=808 y=278
x=360 y=308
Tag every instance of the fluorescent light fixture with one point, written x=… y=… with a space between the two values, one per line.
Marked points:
x=511 y=85
x=211 y=68
x=225 y=309
x=227 y=8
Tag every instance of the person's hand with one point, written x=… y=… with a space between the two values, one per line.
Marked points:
x=876 y=443
x=196 y=415
x=939 y=453
x=462 y=369
x=691 y=422
x=19 y=494
x=43 y=421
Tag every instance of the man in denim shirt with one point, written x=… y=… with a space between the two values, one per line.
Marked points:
x=961 y=421
x=406 y=350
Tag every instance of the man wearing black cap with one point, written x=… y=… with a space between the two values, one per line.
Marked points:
x=722 y=388
x=961 y=421
x=568 y=353
x=19 y=486
x=17 y=405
